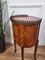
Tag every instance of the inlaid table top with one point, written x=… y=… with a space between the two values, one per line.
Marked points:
x=25 y=19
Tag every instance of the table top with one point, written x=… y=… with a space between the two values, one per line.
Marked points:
x=25 y=19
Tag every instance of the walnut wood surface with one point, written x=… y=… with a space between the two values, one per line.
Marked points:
x=26 y=31
x=26 y=35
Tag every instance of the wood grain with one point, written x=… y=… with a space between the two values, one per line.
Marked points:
x=10 y=55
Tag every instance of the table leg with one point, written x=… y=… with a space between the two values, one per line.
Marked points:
x=22 y=52
x=35 y=50
x=15 y=45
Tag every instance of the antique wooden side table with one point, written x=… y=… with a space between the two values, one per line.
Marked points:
x=25 y=32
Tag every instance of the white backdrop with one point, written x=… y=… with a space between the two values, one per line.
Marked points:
x=37 y=10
